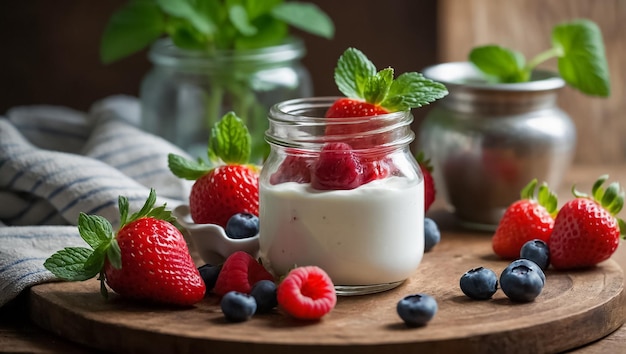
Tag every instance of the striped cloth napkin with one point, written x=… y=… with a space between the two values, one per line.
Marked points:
x=56 y=162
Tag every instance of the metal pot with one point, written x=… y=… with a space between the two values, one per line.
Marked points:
x=487 y=141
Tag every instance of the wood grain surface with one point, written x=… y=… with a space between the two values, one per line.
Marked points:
x=575 y=308
x=526 y=27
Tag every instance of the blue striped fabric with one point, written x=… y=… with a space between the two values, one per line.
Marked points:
x=55 y=163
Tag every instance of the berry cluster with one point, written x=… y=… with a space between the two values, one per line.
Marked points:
x=583 y=233
x=521 y=281
x=246 y=289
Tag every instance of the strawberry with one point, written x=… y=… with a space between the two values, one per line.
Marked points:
x=239 y=273
x=337 y=168
x=429 y=183
x=306 y=293
x=371 y=93
x=147 y=259
x=526 y=219
x=228 y=185
x=586 y=231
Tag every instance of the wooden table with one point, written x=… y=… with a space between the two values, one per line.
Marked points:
x=19 y=334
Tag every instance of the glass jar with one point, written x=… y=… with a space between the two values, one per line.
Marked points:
x=364 y=225
x=487 y=141
x=186 y=91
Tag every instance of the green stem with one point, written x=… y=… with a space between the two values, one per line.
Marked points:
x=553 y=52
x=214 y=104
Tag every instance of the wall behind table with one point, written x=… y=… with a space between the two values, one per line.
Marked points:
x=526 y=26
x=50 y=48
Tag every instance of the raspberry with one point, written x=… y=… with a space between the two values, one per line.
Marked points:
x=294 y=168
x=307 y=293
x=375 y=168
x=239 y=273
x=337 y=168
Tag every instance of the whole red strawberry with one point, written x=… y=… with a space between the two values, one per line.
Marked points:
x=229 y=185
x=147 y=259
x=586 y=231
x=526 y=219
x=373 y=93
x=430 y=192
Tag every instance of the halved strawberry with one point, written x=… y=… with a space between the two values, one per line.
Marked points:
x=239 y=273
x=306 y=293
x=226 y=186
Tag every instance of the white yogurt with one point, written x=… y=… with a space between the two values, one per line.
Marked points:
x=370 y=235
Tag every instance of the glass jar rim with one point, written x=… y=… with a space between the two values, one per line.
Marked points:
x=465 y=74
x=292 y=124
x=165 y=52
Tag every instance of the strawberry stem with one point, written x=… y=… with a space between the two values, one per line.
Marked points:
x=611 y=198
x=544 y=196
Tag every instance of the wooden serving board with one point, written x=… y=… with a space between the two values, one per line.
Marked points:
x=575 y=308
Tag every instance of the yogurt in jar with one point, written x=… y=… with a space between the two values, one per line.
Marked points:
x=368 y=236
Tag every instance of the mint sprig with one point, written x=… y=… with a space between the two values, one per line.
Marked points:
x=579 y=47
x=356 y=77
x=208 y=24
x=82 y=263
x=230 y=143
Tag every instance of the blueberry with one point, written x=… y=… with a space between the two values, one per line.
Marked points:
x=238 y=307
x=536 y=251
x=242 y=225
x=209 y=274
x=432 y=235
x=264 y=292
x=522 y=281
x=416 y=310
x=479 y=283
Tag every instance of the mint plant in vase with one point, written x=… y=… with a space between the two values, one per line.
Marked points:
x=211 y=57
x=501 y=127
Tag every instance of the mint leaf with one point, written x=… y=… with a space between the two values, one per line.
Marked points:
x=68 y=264
x=185 y=36
x=186 y=169
x=583 y=62
x=352 y=73
x=114 y=254
x=186 y=9
x=132 y=28
x=504 y=65
x=307 y=17
x=257 y=9
x=412 y=90
x=377 y=86
x=239 y=17
x=270 y=32
x=94 y=229
x=230 y=140
x=95 y=262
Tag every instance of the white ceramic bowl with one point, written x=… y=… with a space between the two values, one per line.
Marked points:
x=210 y=240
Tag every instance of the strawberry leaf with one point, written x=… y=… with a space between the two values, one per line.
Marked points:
x=69 y=264
x=94 y=229
x=147 y=207
x=230 y=140
x=185 y=168
x=114 y=254
x=95 y=262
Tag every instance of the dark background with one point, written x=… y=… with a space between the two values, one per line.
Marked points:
x=50 y=49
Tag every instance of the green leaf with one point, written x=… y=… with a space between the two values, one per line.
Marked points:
x=230 y=140
x=307 y=17
x=122 y=204
x=503 y=64
x=132 y=28
x=186 y=9
x=239 y=18
x=95 y=262
x=185 y=168
x=528 y=192
x=94 y=229
x=185 y=36
x=68 y=264
x=378 y=86
x=583 y=64
x=146 y=208
x=270 y=32
x=114 y=254
x=352 y=73
x=412 y=90
x=256 y=8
